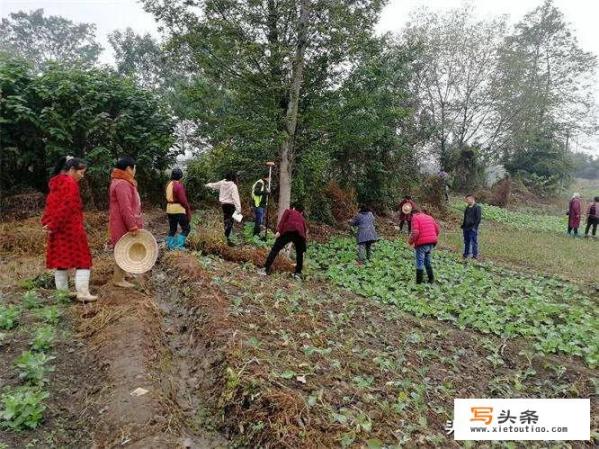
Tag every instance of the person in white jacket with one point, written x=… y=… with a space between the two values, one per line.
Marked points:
x=228 y=196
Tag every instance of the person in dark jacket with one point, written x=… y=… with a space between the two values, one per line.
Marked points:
x=592 y=217
x=405 y=216
x=259 y=193
x=177 y=210
x=424 y=238
x=291 y=228
x=472 y=219
x=366 y=233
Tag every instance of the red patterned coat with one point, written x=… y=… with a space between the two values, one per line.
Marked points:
x=63 y=215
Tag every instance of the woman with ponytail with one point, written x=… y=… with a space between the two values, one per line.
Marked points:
x=63 y=222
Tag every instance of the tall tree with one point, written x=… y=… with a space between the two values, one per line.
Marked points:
x=139 y=56
x=41 y=39
x=457 y=58
x=249 y=52
x=544 y=89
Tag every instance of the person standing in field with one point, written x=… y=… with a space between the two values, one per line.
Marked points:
x=424 y=238
x=405 y=212
x=259 y=193
x=291 y=228
x=63 y=222
x=177 y=210
x=366 y=234
x=592 y=217
x=125 y=210
x=574 y=212
x=228 y=196
x=470 y=224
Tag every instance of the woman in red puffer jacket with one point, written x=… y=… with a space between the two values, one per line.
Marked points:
x=424 y=238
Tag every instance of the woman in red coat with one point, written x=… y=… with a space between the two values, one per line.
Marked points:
x=574 y=211
x=424 y=237
x=63 y=222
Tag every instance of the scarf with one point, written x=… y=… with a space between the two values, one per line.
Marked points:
x=117 y=173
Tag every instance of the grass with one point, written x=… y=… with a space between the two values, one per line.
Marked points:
x=548 y=253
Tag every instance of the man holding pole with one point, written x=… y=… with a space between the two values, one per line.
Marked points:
x=260 y=191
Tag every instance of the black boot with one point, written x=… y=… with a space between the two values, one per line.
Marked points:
x=419 y=276
x=431 y=276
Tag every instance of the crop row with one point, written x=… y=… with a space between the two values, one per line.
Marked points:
x=558 y=316
x=23 y=406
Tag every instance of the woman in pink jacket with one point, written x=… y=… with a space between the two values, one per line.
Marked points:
x=424 y=237
x=125 y=209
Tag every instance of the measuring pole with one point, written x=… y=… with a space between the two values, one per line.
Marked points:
x=270 y=166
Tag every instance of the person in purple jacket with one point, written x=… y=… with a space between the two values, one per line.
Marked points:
x=366 y=234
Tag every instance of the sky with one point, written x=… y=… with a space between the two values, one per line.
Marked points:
x=109 y=15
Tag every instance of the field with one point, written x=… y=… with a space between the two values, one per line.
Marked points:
x=351 y=357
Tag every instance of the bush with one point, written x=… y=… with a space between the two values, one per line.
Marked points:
x=501 y=192
x=432 y=194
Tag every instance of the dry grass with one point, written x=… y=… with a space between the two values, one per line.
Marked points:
x=207 y=236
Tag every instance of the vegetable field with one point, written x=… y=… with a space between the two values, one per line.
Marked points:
x=556 y=315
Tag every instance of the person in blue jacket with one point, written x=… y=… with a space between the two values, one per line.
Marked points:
x=366 y=233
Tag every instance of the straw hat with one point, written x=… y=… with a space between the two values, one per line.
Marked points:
x=136 y=254
x=406 y=208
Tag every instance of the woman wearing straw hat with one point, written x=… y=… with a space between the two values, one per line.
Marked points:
x=63 y=221
x=177 y=210
x=228 y=196
x=125 y=209
x=405 y=212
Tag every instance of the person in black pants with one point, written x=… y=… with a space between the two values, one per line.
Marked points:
x=592 y=217
x=472 y=219
x=291 y=228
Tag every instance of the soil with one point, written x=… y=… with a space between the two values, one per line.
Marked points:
x=229 y=359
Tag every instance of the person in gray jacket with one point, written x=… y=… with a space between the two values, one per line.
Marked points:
x=366 y=234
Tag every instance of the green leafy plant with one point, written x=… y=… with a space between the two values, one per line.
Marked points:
x=43 y=338
x=558 y=316
x=22 y=408
x=33 y=367
x=50 y=315
x=62 y=296
x=9 y=316
x=31 y=300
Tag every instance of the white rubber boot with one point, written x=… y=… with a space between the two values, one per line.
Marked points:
x=61 y=279
x=82 y=286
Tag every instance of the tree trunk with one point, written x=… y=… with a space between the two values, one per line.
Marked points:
x=286 y=153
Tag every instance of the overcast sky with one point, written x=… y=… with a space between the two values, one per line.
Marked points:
x=109 y=15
